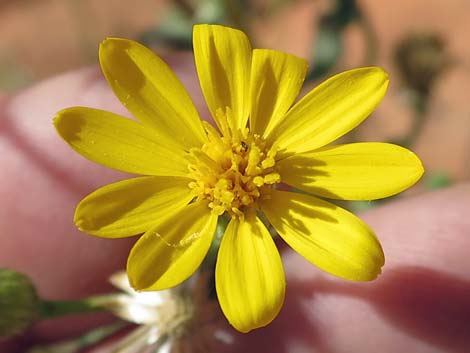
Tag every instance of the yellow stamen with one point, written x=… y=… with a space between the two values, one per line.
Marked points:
x=232 y=170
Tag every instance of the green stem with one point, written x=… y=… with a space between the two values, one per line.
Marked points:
x=420 y=105
x=55 y=308
x=81 y=343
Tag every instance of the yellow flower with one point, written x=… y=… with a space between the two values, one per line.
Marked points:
x=194 y=172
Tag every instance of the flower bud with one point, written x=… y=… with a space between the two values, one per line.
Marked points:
x=19 y=304
x=421 y=59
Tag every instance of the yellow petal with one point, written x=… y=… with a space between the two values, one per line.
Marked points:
x=326 y=235
x=276 y=79
x=223 y=59
x=172 y=251
x=330 y=110
x=356 y=171
x=119 y=143
x=249 y=276
x=131 y=206
x=151 y=91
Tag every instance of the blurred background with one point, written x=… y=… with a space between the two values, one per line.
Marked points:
x=421 y=43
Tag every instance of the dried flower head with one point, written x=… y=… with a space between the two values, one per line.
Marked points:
x=177 y=320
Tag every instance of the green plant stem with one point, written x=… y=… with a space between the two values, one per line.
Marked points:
x=420 y=106
x=52 y=308
x=81 y=343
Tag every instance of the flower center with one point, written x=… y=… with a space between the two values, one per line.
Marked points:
x=232 y=170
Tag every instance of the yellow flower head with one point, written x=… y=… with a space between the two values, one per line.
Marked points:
x=195 y=172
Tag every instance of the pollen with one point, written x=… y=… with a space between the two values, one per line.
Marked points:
x=233 y=169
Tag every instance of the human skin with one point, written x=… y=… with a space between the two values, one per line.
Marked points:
x=421 y=302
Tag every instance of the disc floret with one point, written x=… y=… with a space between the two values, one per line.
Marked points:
x=233 y=169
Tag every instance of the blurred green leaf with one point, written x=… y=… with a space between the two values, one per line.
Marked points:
x=344 y=12
x=327 y=49
x=328 y=45
x=175 y=29
x=211 y=11
x=360 y=206
x=438 y=181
